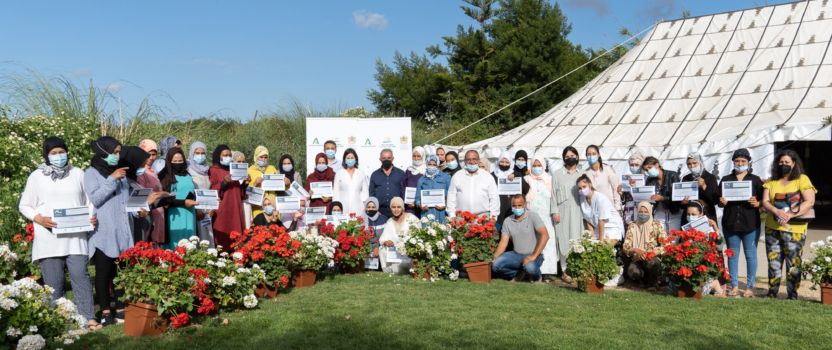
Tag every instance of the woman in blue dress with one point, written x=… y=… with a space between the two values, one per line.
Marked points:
x=433 y=180
x=181 y=216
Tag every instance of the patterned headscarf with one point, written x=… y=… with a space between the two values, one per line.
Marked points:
x=698 y=158
x=237 y=155
x=434 y=158
x=49 y=169
x=637 y=158
x=259 y=151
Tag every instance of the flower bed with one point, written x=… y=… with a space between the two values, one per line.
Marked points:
x=16 y=257
x=30 y=319
x=475 y=238
x=425 y=245
x=311 y=252
x=694 y=259
x=590 y=261
x=354 y=242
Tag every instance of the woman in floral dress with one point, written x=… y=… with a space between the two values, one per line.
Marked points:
x=538 y=200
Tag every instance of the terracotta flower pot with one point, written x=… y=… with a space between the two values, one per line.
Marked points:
x=303 y=278
x=479 y=271
x=686 y=291
x=264 y=291
x=357 y=269
x=593 y=286
x=139 y=320
x=415 y=276
x=826 y=293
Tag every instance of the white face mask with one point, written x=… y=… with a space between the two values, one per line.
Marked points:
x=417 y=162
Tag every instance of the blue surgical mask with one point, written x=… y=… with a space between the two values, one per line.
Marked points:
x=336 y=213
x=653 y=172
x=320 y=168
x=472 y=167
x=225 y=161
x=330 y=153
x=262 y=163
x=200 y=159
x=350 y=162
x=538 y=170
x=268 y=209
x=112 y=160
x=520 y=164
x=592 y=159
x=58 y=160
x=737 y=168
x=453 y=164
x=692 y=218
x=635 y=170
x=432 y=170
x=518 y=212
x=287 y=168
x=140 y=171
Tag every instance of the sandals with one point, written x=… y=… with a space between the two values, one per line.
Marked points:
x=717 y=293
x=733 y=294
x=92 y=327
x=567 y=279
x=748 y=293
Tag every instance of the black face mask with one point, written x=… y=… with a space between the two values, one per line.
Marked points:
x=570 y=161
x=504 y=167
x=177 y=167
x=386 y=164
x=372 y=212
x=398 y=216
x=785 y=169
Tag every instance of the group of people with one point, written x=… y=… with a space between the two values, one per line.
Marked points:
x=536 y=225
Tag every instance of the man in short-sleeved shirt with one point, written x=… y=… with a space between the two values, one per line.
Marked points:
x=527 y=232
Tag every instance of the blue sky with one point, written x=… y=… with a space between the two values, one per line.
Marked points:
x=240 y=56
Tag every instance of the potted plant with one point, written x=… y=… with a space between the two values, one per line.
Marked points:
x=31 y=319
x=426 y=244
x=311 y=253
x=266 y=249
x=354 y=243
x=591 y=263
x=819 y=269
x=475 y=240
x=691 y=259
x=216 y=281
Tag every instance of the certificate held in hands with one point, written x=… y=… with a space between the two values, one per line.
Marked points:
x=287 y=204
x=734 y=191
x=433 y=198
x=643 y=193
x=702 y=224
x=138 y=200
x=625 y=181
x=207 y=199
x=297 y=189
x=255 y=195
x=321 y=189
x=239 y=171
x=685 y=189
x=72 y=220
x=273 y=182
x=409 y=195
x=315 y=214
x=506 y=187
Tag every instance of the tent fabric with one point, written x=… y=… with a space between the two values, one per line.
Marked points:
x=711 y=84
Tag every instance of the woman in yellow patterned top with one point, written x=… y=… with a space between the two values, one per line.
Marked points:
x=256 y=171
x=787 y=196
x=645 y=235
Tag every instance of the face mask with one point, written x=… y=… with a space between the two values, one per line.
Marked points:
x=372 y=212
x=432 y=170
x=330 y=153
x=472 y=167
x=740 y=169
x=785 y=169
x=398 y=216
x=518 y=212
x=200 y=159
x=58 y=160
x=262 y=163
x=111 y=160
x=350 y=162
x=287 y=168
x=417 y=162
x=585 y=192
x=538 y=170
x=140 y=171
x=453 y=164
x=653 y=172
x=571 y=161
x=692 y=218
x=268 y=209
x=225 y=161
x=635 y=170
x=643 y=217
x=178 y=167
x=387 y=163
x=320 y=168
x=504 y=167
x=592 y=159
x=696 y=170
x=520 y=164
x=336 y=213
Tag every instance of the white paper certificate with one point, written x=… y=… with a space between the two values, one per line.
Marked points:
x=643 y=193
x=71 y=220
x=685 y=189
x=506 y=187
x=255 y=195
x=393 y=256
x=321 y=189
x=625 y=181
x=433 y=198
x=315 y=213
x=207 y=199
x=702 y=224
x=138 y=200
x=736 y=190
x=371 y=263
x=409 y=195
x=297 y=189
x=239 y=171
x=273 y=182
x=288 y=204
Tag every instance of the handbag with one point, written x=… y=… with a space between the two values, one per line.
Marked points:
x=792 y=201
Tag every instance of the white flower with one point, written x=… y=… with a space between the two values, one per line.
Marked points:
x=243 y=270
x=212 y=251
x=182 y=243
x=204 y=244
x=228 y=281
x=224 y=254
x=220 y=264
x=8 y=304
x=13 y=332
x=578 y=248
x=31 y=342
x=210 y=262
x=206 y=280
x=454 y=256
x=829 y=239
x=250 y=301
x=454 y=275
x=68 y=341
x=237 y=256
x=827 y=259
x=425 y=220
x=33 y=329
x=194 y=239
x=431 y=217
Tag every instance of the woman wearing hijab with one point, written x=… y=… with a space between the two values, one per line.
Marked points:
x=238 y=157
x=485 y=165
x=270 y=216
x=287 y=168
x=395 y=227
x=375 y=221
x=505 y=170
x=322 y=173
x=149 y=179
x=452 y=162
x=181 y=215
x=165 y=144
x=644 y=235
x=350 y=185
x=229 y=217
x=667 y=211
x=198 y=169
x=257 y=170
x=520 y=168
x=135 y=160
x=108 y=191
x=708 y=186
x=539 y=200
x=566 y=205
x=627 y=204
x=603 y=177
x=433 y=180
x=56 y=184
x=411 y=179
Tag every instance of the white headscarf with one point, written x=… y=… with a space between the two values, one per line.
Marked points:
x=504 y=174
x=416 y=170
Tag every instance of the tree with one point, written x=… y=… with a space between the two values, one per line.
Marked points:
x=414 y=86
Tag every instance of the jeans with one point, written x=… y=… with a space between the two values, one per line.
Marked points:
x=510 y=263
x=749 y=245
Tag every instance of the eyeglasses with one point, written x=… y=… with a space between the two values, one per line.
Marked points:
x=472 y=160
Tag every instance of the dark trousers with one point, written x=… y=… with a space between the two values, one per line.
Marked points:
x=646 y=272
x=105 y=271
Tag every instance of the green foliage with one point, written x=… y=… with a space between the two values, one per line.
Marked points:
x=819 y=269
x=590 y=260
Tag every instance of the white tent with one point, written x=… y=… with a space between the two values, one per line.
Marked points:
x=711 y=84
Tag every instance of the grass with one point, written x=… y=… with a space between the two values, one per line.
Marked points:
x=378 y=311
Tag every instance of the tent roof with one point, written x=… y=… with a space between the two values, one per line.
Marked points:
x=711 y=84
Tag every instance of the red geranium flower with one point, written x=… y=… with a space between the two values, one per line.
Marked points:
x=729 y=253
x=685 y=272
x=680 y=257
x=702 y=268
x=180 y=320
x=650 y=256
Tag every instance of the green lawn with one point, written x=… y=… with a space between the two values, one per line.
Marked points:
x=382 y=312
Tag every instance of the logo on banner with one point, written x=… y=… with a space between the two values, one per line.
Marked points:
x=387 y=140
x=315 y=141
x=351 y=140
x=403 y=140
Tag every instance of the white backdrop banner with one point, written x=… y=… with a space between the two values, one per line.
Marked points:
x=367 y=136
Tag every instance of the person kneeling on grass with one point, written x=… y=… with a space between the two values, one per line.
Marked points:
x=528 y=234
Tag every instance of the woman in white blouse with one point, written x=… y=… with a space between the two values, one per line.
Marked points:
x=57 y=185
x=602 y=219
x=350 y=186
x=397 y=225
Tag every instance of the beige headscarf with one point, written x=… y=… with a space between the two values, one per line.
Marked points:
x=532 y=179
x=276 y=214
x=486 y=164
x=642 y=232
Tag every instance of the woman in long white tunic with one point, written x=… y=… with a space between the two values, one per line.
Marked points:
x=350 y=186
x=198 y=169
x=394 y=229
x=539 y=200
x=566 y=205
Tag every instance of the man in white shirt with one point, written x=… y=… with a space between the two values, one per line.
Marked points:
x=473 y=190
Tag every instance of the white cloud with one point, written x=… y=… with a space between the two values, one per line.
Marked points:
x=84 y=72
x=366 y=19
x=115 y=87
x=209 y=61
